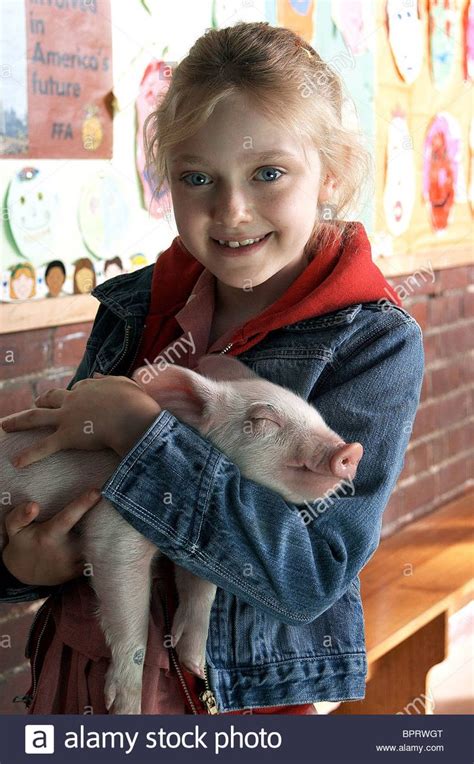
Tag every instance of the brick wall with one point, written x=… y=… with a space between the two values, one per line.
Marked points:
x=438 y=463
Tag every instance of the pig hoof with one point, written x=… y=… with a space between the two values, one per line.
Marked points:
x=120 y=699
x=110 y=693
x=191 y=663
x=194 y=668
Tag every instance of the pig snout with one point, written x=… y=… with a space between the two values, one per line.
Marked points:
x=345 y=459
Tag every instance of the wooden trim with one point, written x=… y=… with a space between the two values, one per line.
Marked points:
x=439 y=258
x=24 y=315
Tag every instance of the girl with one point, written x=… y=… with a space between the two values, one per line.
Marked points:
x=264 y=268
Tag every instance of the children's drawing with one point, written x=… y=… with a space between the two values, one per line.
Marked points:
x=104 y=213
x=351 y=17
x=155 y=82
x=55 y=276
x=400 y=181
x=137 y=261
x=443 y=181
x=469 y=42
x=405 y=34
x=32 y=215
x=22 y=282
x=444 y=28
x=297 y=15
x=113 y=267
x=84 y=278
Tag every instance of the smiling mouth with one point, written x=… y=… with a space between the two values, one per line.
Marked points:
x=238 y=243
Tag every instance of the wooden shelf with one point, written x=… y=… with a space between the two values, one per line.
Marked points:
x=24 y=315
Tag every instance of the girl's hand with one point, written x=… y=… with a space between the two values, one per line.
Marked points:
x=44 y=554
x=101 y=412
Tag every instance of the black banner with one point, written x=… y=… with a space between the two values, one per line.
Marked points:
x=325 y=739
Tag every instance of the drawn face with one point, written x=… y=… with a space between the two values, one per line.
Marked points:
x=113 y=270
x=405 y=35
x=22 y=284
x=399 y=194
x=350 y=17
x=55 y=280
x=441 y=187
x=30 y=206
x=84 y=280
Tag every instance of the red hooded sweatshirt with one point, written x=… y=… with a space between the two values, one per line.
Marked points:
x=342 y=274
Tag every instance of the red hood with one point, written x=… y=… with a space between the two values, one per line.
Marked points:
x=342 y=274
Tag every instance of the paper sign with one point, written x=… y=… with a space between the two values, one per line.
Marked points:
x=57 y=75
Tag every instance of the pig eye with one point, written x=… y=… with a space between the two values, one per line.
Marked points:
x=263 y=419
x=262 y=426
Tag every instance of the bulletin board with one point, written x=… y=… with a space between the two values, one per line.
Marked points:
x=77 y=203
x=424 y=135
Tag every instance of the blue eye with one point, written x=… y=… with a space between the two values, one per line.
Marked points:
x=195 y=174
x=273 y=170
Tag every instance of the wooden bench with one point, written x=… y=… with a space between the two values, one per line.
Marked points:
x=416 y=579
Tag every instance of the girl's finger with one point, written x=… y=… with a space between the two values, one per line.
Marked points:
x=51 y=399
x=20 y=516
x=37 y=452
x=66 y=519
x=28 y=420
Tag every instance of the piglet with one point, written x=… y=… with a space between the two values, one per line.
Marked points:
x=273 y=436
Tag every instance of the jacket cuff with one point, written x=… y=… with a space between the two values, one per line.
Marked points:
x=13 y=590
x=160 y=508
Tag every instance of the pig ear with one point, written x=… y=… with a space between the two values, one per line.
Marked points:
x=181 y=391
x=224 y=367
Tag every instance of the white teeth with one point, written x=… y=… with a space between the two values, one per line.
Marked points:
x=236 y=244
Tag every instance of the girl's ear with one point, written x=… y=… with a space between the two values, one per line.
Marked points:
x=184 y=393
x=327 y=188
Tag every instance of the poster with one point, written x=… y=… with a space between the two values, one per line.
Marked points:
x=56 y=64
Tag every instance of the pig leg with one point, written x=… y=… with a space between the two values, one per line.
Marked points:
x=191 y=621
x=121 y=576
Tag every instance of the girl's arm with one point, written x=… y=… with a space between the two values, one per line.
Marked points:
x=13 y=589
x=181 y=492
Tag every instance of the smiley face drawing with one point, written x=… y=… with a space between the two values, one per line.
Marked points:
x=443 y=182
x=31 y=214
x=400 y=180
x=405 y=35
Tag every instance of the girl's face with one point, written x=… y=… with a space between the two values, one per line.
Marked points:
x=229 y=191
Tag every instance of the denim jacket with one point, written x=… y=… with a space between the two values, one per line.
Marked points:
x=287 y=623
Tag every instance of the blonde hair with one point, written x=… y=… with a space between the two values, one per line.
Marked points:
x=272 y=66
x=16 y=272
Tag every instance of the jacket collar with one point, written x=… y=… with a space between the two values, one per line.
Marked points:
x=127 y=295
